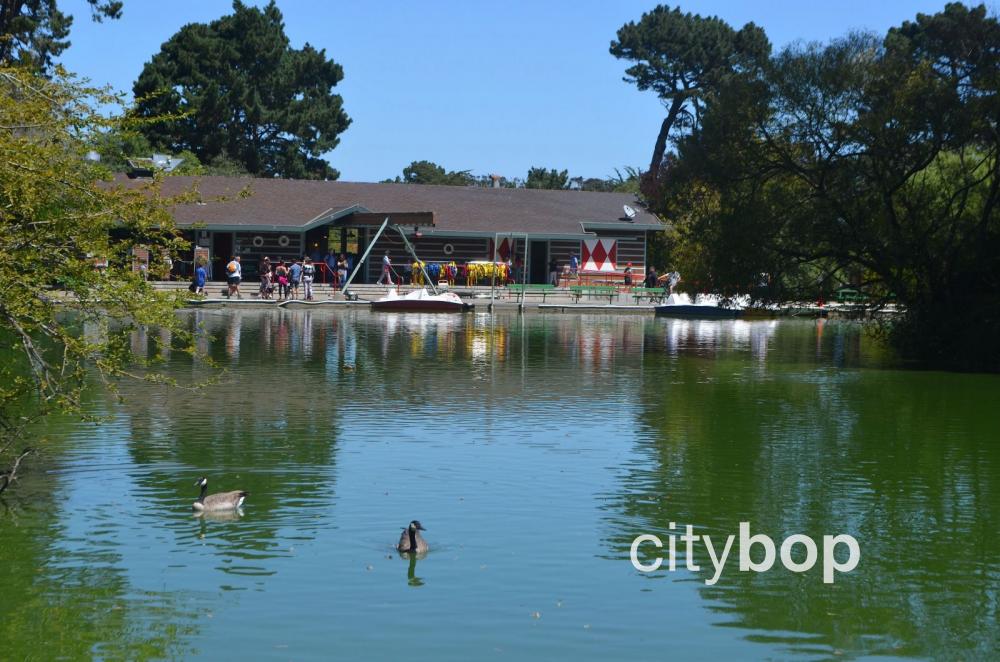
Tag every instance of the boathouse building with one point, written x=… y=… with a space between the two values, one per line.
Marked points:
x=286 y=219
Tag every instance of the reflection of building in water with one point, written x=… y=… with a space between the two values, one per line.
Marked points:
x=202 y=336
x=711 y=337
x=166 y=337
x=94 y=332
x=139 y=342
x=485 y=343
x=302 y=335
x=233 y=331
x=341 y=347
x=598 y=341
x=761 y=334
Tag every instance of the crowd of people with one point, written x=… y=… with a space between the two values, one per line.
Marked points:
x=294 y=280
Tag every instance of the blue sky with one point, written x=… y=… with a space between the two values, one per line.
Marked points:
x=481 y=86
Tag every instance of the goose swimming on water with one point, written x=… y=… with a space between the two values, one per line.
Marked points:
x=411 y=542
x=220 y=501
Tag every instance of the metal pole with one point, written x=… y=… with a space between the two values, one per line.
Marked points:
x=365 y=256
x=415 y=258
x=493 y=270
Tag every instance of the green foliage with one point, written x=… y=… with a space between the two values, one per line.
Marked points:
x=242 y=95
x=619 y=183
x=486 y=181
x=549 y=179
x=59 y=313
x=427 y=172
x=865 y=161
x=124 y=142
x=116 y=146
x=32 y=32
x=684 y=58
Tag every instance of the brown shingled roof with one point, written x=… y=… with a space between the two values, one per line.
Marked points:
x=285 y=203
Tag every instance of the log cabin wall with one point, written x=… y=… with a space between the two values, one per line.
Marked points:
x=429 y=249
x=631 y=248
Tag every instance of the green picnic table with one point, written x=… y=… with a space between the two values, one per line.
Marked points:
x=654 y=294
x=524 y=289
x=579 y=291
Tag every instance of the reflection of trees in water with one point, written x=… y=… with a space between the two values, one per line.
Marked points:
x=269 y=427
x=905 y=462
x=66 y=598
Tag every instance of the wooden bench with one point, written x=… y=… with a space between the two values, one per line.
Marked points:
x=579 y=291
x=654 y=294
x=522 y=290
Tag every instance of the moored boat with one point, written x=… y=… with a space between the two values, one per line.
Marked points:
x=705 y=307
x=421 y=301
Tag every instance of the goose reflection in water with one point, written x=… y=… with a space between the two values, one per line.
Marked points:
x=206 y=516
x=411 y=570
x=219 y=515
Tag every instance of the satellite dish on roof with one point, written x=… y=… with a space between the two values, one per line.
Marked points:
x=629 y=212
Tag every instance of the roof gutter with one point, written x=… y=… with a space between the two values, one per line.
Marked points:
x=520 y=234
x=624 y=227
x=325 y=217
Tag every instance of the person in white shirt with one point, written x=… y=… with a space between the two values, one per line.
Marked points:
x=234 y=274
x=386 y=270
x=308 y=273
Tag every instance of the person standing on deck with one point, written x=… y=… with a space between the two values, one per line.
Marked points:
x=650 y=281
x=341 y=270
x=574 y=265
x=386 y=276
x=234 y=274
x=294 y=277
x=553 y=272
x=265 y=278
x=628 y=274
x=281 y=273
x=671 y=279
x=200 y=277
x=308 y=272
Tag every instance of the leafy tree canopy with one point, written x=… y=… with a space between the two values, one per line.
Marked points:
x=618 y=183
x=871 y=162
x=550 y=179
x=240 y=93
x=683 y=58
x=32 y=32
x=427 y=172
x=59 y=313
x=116 y=147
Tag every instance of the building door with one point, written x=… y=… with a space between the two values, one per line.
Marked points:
x=354 y=245
x=222 y=253
x=539 y=266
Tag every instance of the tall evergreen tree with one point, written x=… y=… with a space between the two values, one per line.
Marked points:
x=32 y=32
x=240 y=93
x=683 y=57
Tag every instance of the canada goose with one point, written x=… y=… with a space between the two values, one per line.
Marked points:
x=410 y=541
x=220 y=501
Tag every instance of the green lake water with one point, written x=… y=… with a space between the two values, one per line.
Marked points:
x=534 y=450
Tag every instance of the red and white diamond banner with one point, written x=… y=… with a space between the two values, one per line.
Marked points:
x=502 y=251
x=600 y=254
